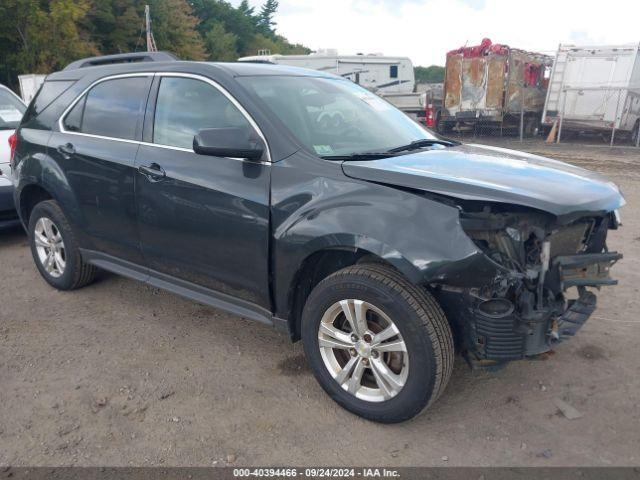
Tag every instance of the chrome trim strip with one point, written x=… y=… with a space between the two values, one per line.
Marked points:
x=158 y=145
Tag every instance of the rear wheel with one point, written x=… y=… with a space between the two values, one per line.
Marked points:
x=443 y=127
x=378 y=345
x=636 y=133
x=531 y=126
x=55 y=250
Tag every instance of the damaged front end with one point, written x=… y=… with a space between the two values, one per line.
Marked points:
x=530 y=303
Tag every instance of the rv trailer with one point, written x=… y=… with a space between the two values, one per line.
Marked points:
x=375 y=72
x=494 y=86
x=595 y=88
x=29 y=85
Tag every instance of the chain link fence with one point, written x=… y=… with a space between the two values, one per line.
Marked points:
x=587 y=116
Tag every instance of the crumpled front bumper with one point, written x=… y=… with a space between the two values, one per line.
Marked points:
x=525 y=330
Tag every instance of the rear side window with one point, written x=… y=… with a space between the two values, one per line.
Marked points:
x=48 y=92
x=111 y=109
x=393 y=71
x=185 y=106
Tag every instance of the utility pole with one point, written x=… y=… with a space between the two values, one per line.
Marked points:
x=151 y=43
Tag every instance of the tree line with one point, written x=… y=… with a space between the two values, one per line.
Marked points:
x=432 y=74
x=41 y=36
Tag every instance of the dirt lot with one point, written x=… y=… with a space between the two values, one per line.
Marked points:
x=123 y=374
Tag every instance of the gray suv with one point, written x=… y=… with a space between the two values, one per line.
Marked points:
x=304 y=202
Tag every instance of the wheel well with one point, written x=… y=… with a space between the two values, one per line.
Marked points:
x=316 y=268
x=30 y=196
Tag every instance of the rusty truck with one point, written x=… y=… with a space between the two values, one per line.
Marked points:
x=494 y=86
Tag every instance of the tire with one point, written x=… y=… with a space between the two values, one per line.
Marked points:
x=51 y=237
x=636 y=133
x=531 y=126
x=443 y=127
x=419 y=373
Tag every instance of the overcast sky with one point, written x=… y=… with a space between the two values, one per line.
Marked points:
x=425 y=30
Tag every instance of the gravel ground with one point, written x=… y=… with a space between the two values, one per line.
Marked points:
x=120 y=374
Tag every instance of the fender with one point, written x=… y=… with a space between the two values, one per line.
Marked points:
x=421 y=237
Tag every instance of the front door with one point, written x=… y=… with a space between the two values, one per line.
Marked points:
x=202 y=219
x=96 y=148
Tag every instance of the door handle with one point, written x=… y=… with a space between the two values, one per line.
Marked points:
x=153 y=172
x=67 y=150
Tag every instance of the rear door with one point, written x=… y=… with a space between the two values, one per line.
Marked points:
x=96 y=148
x=202 y=219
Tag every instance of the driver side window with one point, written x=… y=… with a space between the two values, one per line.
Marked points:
x=185 y=106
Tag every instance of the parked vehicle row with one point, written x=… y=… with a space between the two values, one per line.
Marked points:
x=591 y=88
x=11 y=110
x=301 y=200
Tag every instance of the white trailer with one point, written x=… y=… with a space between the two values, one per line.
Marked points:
x=595 y=88
x=29 y=85
x=375 y=72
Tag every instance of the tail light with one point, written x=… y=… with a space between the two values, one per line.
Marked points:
x=430 y=118
x=13 y=143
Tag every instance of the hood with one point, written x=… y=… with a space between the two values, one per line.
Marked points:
x=477 y=172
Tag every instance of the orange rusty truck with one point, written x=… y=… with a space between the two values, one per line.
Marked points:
x=492 y=86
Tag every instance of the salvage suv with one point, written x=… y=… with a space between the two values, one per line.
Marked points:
x=302 y=201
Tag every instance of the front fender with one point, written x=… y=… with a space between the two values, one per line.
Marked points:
x=316 y=207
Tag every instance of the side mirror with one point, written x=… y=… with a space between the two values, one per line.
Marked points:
x=228 y=142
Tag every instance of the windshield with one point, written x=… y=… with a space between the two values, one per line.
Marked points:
x=11 y=110
x=335 y=117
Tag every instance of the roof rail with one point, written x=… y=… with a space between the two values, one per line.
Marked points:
x=122 y=58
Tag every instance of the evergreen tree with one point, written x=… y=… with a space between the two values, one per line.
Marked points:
x=245 y=9
x=221 y=45
x=267 y=12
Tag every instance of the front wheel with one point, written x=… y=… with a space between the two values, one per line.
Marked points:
x=378 y=345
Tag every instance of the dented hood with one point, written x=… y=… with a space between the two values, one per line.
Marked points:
x=477 y=172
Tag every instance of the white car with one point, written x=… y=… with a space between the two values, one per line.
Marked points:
x=11 y=110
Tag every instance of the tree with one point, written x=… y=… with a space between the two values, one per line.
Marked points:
x=220 y=44
x=115 y=25
x=174 y=29
x=432 y=74
x=39 y=37
x=245 y=9
x=267 y=12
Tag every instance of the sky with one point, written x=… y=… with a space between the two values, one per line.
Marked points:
x=424 y=30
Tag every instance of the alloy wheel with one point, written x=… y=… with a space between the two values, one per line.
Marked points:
x=363 y=350
x=50 y=247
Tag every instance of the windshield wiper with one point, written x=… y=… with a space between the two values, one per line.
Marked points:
x=423 y=142
x=360 y=156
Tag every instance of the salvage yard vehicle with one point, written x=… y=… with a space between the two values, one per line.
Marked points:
x=375 y=72
x=595 y=89
x=11 y=110
x=494 y=86
x=301 y=200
